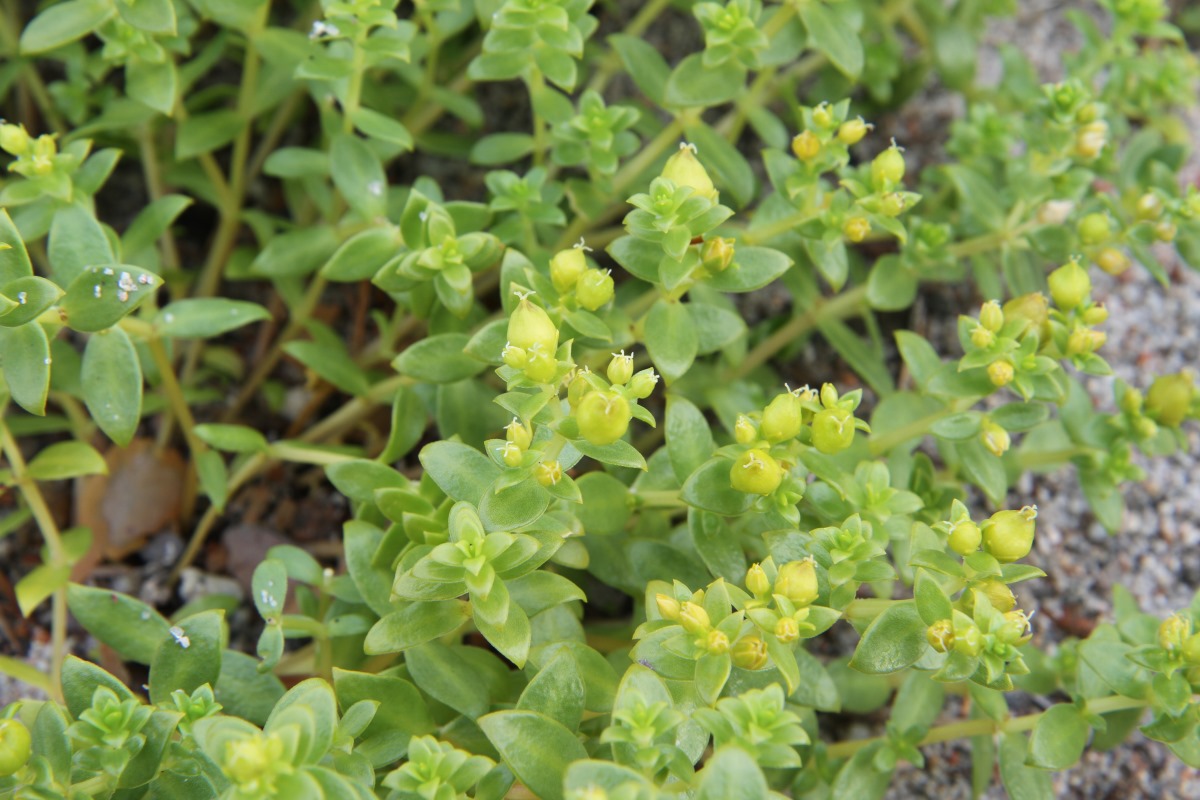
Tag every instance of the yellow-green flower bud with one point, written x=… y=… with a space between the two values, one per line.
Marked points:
x=548 y=473
x=757 y=581
x=1084 y=340
x=541 y=367
x=603 y=417
x=518 y=433
x=797 y=581
x=991 y=316
x=511 y=455
x=668 y=607
x=642 y=384
x=856 y=229
x=994 y=438
x=833 y=430
x=1000 y=373
x=852 y=131
x=806 y=146
x=1091 y=139
x=1094 y=315
x=1008 y=535
x=694 y=618
x=684 y=169
x=620 y=369
x=744 y=430
x=1015 y=629
x=717 y=254
x=716 y=642
x=823 y=115
x=1165 y=231
x=750 y=653
x=756 y=472
x=982 y=338
x=1149 y=206
x=1112 y=261
x=1095 y=228
x=594 y=289
x=1191 y=649
x=252 y=762
x=16 y=745
x=1054 y=212
x=589 y=792
x=892 y=204
x=940 y=635
x=577 y=389
x=566 y=267
x=782 y=418
x=787 y=630
x=1030 y=309
x=998 y=594
x=887 y=170
x=1145 y=427
x=515 y=357
x=530 y=325
x=968 y=640
x=965 y=537
x=15 y=141
x=1170 y=398
x=1173 y=632
x=1131 y=401
x=1069 y=285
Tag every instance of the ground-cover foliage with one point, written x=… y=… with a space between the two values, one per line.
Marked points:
x=596 y=544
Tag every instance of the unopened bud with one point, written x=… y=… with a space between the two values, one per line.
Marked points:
x=1170 y=398
x=1149 y=206
x=1191 y=649
x=982 y=338
x=756 y=472
x=694 y=618
x=566 y=267
x=856 y=229
x=515 y=357
x=965 y=537
x=852 y=131
x=1094 y=315
x=782 y=418
x=16 y=746
x=994 y=438
x=717 y=642
x=1008 y=535
x=642 y=384
x=548 y=473
x=797 y=581
x=1000 y=373
x=717 y=254
x=594 y=288
x=892 y=204
x=1165 y=230
x=806 y=146
x=744 y=431
x=1069 y=285
x=1095 y=228
x=940 y=635
x=620 y=369
x=1084 y=340
x=668 y=606
x=684 y=169
x=1015 y=628
x=750 y=652
x=991 y=316
x=968 y=640
x=887 y=170
x=757 y=581
x=787 y=630
x=1173 y=632
x=530 y=325
x=518 y=433
x=1031 y=309
x=998 y=594
x=1112 y=261
x=14 y=140
x=576 y=389
x=823 y=115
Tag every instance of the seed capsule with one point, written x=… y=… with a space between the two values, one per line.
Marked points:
x=994 y=438
x=642 y=384
x=1112 y=261
x=566 y=267
x=965 y=537
x=1170 y=398
x=603 y=417
x=887 y=170
x=998 y=594
x=782 y=418
x=594 y=289
x=16 y=745
x=548 y=473
x=684 y=169
x=833 y=430
x=852 y=131
x=1008 y=535
x=756 y=472
x=1069 y=285
x=1095 y=228
x=530 y=325
x=620 y=369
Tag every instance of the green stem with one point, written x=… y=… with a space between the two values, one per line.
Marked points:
x=839 y=306
x=918 y=427
x=984 y=727
x=176 y=401
x=58 y=556
x=536 y=84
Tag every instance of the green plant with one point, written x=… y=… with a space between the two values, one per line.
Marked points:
x=447 y=655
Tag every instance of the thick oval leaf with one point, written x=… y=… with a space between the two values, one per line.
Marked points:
x=444 y=675
x=439 y=359
x=204 y=317
x=102 y=295
x=708 y=488
x=30 y=296
x=537 y=749
x=64 y=460
x=63 y=23
x=462 y=472
x=415 y=625
x=25 y=358
x=513 y=506
x=126 y=624
x=556 y=691
x=893 y=641
x=732 y=774
x=189 y=656
x=1059 y=737
x=111 y=376
x=671 y=340
x=752 y=268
